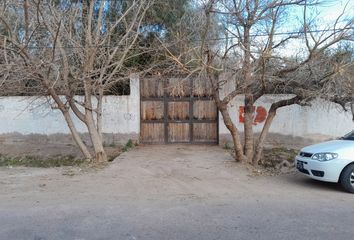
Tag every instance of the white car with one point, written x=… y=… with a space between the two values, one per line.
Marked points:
x=331 y=161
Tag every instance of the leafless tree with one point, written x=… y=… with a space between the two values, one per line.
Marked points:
x=68 y=47
x=249 y=51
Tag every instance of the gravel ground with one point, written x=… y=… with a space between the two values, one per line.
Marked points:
x=170 y=192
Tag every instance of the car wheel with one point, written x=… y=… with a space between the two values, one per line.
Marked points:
x=347 y=178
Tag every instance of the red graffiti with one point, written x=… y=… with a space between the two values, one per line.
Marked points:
x=259 y=114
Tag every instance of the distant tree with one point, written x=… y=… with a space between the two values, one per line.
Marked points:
x=165 y=22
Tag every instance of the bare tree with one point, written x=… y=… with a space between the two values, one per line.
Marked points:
x=67 y=48
x=249 y=51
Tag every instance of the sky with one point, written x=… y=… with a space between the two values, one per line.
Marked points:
x=327 y=12
x=334 y=8
x=325 y=15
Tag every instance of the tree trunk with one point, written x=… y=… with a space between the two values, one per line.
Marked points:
x=100 y=154
x=248 y=127
x=249 y=108
x=76 y=135
x=239 y=155
x=260 y=144
x=99 y=112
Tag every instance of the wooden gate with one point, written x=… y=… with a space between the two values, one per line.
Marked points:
x=177 y=111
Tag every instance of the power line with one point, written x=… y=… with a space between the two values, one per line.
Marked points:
x=288 y=33
x=199 y=40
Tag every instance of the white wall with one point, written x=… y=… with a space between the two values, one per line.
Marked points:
x=121 y=115
x=319 y=121
x=29 y=115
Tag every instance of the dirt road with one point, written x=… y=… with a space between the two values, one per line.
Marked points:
x=170 y=192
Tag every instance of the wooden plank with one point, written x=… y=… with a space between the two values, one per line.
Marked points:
x=205 y=132
x=151 y=87
x=151 y=110
x=165 y=111
x=178 y=88
x=152 y=133
x=178 y=132
x=180 y=121
x=175 y=99
x=202 y=88
x=191 y=110
x=204 y=110
x=178 y=110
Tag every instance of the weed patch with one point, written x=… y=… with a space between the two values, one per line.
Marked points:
x=128 y=146
x=41 y=162
x=278 y=157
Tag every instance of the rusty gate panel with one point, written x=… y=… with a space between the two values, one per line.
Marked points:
x=204 y=132
x=152 y=110
x=178 y=132
x=177 y=111
x=178 y=88
x=153 y=132
x=202 y=88
x=153 y=88
x=204 y=110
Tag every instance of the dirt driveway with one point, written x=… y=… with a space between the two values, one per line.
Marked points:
x=170 y=192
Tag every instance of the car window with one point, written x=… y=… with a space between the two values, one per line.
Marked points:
x=349 y=136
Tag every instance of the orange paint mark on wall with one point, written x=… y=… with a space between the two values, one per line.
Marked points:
x=259 y=114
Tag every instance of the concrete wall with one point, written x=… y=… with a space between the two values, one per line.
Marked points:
x=323 y=120
x=29 y=115
x=121 y=118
